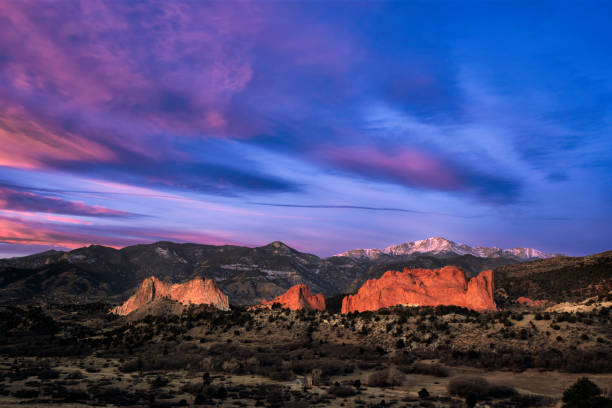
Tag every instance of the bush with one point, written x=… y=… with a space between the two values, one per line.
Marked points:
x=49 y=374
x=500 y=391
x=585 y=394
x=210 y=392
x=281 y=375
x=435 y=370
x=403 y=359
x=478 y=388
x=158 y=363
x=465 y=386
x=25 y=394
x=531 y=400
x=340 y=391
x=328 y=366
x=386 y=378
x=75 y=375
x=206 y=380
x=200 y=400
x=159 y=382
x=74 y=395
x=193 y=388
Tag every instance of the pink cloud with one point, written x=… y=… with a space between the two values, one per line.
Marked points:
x=26 y=231
x=98 y=58
x=29 y=143
x=90 y=81
x=60 y=70
x=400 y=165
x=42 y=218
x=142 y=57
x=66 y=220
x=17 y=200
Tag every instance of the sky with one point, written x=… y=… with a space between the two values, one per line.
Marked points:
x=327 y=125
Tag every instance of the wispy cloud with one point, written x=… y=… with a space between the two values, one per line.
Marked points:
x=28 y=142
x=419 y=169
x=362 y=207
x=27 y=231
x=20 y=200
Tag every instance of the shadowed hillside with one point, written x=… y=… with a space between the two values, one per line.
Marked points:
x=556 y=279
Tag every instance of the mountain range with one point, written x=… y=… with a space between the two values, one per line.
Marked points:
x=247 y=275
x=438 y=246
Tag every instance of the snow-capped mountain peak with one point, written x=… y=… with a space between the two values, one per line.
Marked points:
x=443 y=246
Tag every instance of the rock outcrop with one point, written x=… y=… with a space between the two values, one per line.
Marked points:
x=525 y=301
x=197 y=291
x=424 y=287
x=296 y=298
x=585 y=306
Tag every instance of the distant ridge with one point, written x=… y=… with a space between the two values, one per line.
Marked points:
x=443 y=246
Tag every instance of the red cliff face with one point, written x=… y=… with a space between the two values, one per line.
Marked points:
x=296 y=298
x=196 y=291
x=424 y=287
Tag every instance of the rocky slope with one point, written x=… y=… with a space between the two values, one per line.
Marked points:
x=197 y=291
x=443 y=246
x=298 y=297
x=555 y=280
x=424 y=287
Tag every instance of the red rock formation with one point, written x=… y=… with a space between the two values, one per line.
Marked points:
x=195 y=291
x=424 y=287
x=525 y=301
x=296 y=298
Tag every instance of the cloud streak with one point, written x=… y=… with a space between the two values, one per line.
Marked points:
x=28 y=142
x=24 y=231
x=421 y=170
x=361 y=207
x=15 y=200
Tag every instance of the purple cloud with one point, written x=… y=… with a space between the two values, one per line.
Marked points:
x=124 y=90
x=16 y=200
x=409 y=167
x=26 y=231
x=417 y=169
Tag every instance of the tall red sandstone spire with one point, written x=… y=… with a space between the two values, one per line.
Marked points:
x=196 y=291
x=296 y=298
x=424 y=287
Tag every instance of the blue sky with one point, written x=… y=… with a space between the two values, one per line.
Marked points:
x=327 y=125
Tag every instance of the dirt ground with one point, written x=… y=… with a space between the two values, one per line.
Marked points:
x=105 y=372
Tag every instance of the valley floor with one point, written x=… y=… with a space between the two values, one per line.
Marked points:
x=176 y=387
x=401 y=357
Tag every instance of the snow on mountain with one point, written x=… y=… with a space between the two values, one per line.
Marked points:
x=363 y=253
x=528 y=253
x=443 y=246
